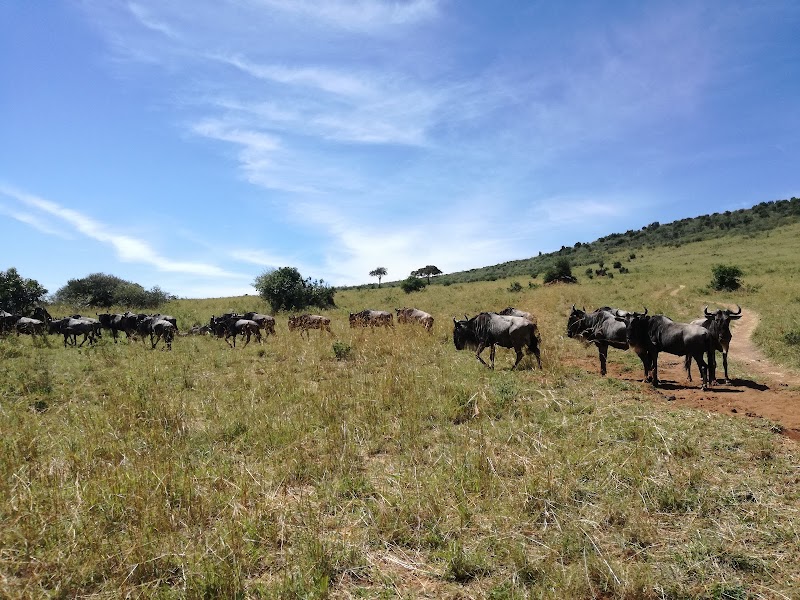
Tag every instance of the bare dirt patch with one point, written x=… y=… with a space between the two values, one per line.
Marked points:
x=767 y=391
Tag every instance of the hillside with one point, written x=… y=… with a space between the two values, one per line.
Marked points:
x=761 y=217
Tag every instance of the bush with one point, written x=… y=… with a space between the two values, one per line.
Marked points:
x=617 y=264
x=342 y=350
x=412 y=284
x=561 y=269
x=101 y=290
x=515 y=287
x=285 y=289
x=792 y=338
x=19 y=294
x=726 y=278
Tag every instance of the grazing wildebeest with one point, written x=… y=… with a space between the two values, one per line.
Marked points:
x=718 y=324
x=649 y=335
x=414 y=315
x=265 y=322
x=491 y=329
x=371 y=318
x=600 y=328
x=305 y=322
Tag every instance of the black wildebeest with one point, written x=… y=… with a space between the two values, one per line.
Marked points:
x=71 y=328
x=718 y=324
x=491 y=329
x=600 y=328
x=649 y=335
x=230 y=325
x=119 y=322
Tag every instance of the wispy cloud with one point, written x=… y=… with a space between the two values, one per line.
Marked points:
x=127 y=248
x=358 y=15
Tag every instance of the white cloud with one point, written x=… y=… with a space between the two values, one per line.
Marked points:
x=128 y=248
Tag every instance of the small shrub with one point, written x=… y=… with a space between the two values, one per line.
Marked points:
x=726 y=278
x=792 y=338
x=515 y=287
x=342 y=350
x=561 y=270
x=617 y=264
x=632 y=256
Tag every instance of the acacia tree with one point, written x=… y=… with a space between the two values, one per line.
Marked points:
x=18 y=294
x=285 y=289
x=379 y=273
x=427 y=271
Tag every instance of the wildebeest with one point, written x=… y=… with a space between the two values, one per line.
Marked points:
x=115 y=323
x=230 y=325
x=7 y=321
x=305 y=322
x=515 y=312
x=265 y=322
x=718 y=324
x=649 y=335
x=72 y=327
x=600 y=328
x=491 y=329
x=371 y=318
x=414 y=315
x=29 y=326
x=161 y=329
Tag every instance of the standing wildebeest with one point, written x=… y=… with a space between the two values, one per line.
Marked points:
x=265 y=322
x=600 y=328
x=7 y=321
x=230 y=325
x=414 y=315
x=371 y=318
x=306 y=322
x=72 y=327
x=718 y=324
x=649 y=335
x=491 y=329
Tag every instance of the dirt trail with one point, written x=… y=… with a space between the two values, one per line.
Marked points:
x=773 y=393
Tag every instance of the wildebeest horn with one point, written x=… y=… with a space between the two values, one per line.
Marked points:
x=573 y=308
x=466 y=318
x=738 y=312
x=454 y=321
x=706 y=313
x=645 y=312
x=735 y=315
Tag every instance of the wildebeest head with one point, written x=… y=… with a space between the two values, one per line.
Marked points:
x=575 y=322
x=721 y=319
x=464 y=334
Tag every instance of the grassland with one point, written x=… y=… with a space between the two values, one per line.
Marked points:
x=406 y=469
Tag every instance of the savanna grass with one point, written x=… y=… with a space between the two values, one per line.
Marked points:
x=404 y=468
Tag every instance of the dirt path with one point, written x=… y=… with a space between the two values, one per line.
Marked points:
x=768 y=391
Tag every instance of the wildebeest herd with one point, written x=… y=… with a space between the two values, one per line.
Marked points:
x=647 y=335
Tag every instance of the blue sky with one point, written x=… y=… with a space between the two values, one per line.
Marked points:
x=195 y=144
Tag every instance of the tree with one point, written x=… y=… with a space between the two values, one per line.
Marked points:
x=379 y=273
x=285 y=289
x=19 y=295
x=726 y=278
x=427 y=271
x=101 y=290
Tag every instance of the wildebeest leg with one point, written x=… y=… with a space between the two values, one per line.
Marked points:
x=724 y=365
x=247 y=341
x=602 y=350
x=519 y=357
x=687 y=364
x=654 y=367
x=481 y=348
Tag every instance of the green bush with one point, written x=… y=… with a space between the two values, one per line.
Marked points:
x=412 y=284
x=792 y=338
x=515 y=287
x=342 y=350
x=726 y=278
x=285 y=289
x=559 y=270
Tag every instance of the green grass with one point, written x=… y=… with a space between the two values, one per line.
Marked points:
x=397 y=466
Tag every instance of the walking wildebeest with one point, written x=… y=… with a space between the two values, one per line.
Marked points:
x=718 y=324
x=119 y=322
x=265 y=322
x=649 y=335
x=491 y=329
x=371 y=318
x=162 y=329
x=306 y=322
x=414 y=315
x=72 y=327
x=29 y=326
x=600 y=328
